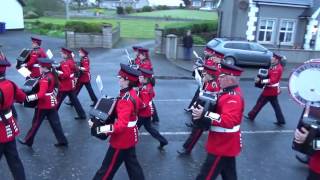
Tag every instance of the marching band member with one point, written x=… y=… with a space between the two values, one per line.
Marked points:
x=67 y=82
x=211 y=84
x=9 y=92
x=124 y=132
x=146 y=93
x=47 y=103
x=270 y=92
x=224 y=140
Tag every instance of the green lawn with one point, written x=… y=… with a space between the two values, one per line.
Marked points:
x=129 y=28
x=181 y=13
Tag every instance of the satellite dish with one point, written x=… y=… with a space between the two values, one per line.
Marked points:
x=243 y=5
x=303 y=86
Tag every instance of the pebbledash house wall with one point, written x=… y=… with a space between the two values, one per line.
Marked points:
x=281 y=13
x=107 y=39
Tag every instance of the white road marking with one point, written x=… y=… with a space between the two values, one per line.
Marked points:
x=243 y=132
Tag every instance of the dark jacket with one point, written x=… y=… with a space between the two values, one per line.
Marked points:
x=187 y=41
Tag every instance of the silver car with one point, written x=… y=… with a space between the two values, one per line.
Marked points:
x=241 y=52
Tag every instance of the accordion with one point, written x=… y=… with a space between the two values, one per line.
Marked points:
x=262 y=74
x=102 y=113
x=31 y=86
x=310 y=119
x=23 y=57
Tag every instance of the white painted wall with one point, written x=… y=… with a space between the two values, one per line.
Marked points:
x=12 y=14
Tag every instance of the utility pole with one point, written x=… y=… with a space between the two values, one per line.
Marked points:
x=67 y=9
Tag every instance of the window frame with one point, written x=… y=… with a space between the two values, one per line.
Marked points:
x=266 y=30
x=294 y=28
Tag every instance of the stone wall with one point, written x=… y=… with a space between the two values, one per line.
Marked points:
x=107 y=39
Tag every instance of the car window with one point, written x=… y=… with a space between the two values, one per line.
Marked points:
x=257 y=47
x=213 y=43
x=228 y=45
x=242 y=46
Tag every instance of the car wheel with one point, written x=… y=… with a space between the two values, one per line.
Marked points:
x=230 y=60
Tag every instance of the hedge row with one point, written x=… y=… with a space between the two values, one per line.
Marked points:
x=196 y=28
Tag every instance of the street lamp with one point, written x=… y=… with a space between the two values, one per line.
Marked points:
x=67 y=9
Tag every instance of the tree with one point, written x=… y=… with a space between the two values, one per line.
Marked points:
x=79 y=2
x=98 y=2
x=187 y=3
x=40 y=6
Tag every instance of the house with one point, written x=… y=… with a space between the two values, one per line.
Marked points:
x=205 y=4
x=113 y=4
x=273 y=23
x=11 y=13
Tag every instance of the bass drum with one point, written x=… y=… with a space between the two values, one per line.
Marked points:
x=304 y=85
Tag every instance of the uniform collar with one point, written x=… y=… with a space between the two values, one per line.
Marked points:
x=123 y=91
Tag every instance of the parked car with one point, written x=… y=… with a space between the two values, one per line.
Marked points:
x=241 y=52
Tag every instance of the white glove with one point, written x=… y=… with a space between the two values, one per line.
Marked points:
x=90 y=123
x=23 y=65
x=32 y=97
x=82 y=68
x=105 y=129
x=59 y=72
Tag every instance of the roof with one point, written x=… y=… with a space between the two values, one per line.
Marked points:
x=22 y=2
x=287 y=2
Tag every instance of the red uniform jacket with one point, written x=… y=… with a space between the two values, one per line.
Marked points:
x=211 y=86
x=8 y=125
x=66 y=78
x=272 y=88
x=47 y=96
x=85 y=74
x=224 y=136
x=145 y=64
x=314 y=163
x=146 y=94
x=32 y=63
x=125 y=133
x=137 y=60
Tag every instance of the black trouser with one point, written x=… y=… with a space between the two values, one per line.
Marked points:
x=215 y=165
x=88 y=86
x=195 y=97
x=146 y=122
x=74 y=100
x=9 y=149
x=53 y=117
x=262 y=100
x=192 y=138
x=313 y=175
x=14 y=112
x=155 y=117
x=114 y=159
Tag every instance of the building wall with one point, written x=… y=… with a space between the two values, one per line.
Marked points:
x=240 y=22
x=12 y=14
x=280 y=13
x=227 y=20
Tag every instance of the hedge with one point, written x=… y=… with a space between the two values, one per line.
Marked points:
x=200 y=27
x=84 y=27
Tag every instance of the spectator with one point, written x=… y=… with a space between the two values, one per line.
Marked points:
x=187 y=45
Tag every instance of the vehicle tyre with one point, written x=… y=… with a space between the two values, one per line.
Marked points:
x=230 y=60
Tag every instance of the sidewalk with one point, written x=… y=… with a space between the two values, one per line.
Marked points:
x=248 y=74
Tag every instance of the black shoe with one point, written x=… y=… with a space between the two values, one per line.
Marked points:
x=190 y=125
x=162 y=144
x=21 y=141
x=61 y=145
x=69 y=103
x=248 y=118
x=279 y=123
x=183 y=151
x=80 y=117
x=303 y=159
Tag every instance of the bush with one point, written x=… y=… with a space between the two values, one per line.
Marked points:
x=181 y=29
x=129 y=9
x=83 y=27
x=162 y=7
x=31 y=15
x=120 y=10
x=199 y=40
x=146 y=9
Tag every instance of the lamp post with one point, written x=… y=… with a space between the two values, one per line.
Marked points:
x=67 y=9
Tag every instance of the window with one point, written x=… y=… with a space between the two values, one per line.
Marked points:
x=257 y=47
x=228 y=45
x=286 y=31
x=196 y=3
x=241 y=46
x=214 y=43
x=266 y=27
